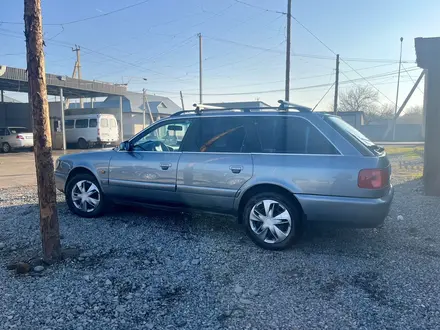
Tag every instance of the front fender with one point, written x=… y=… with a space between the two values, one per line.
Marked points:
x=98 y=168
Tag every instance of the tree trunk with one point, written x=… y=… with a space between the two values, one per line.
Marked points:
x=49 y=226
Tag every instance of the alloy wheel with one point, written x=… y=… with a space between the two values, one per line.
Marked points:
x=6 y=147
x=86 y=196
x=270 y=221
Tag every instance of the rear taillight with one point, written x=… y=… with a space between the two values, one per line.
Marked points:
x=373 y=178
x=20 y=137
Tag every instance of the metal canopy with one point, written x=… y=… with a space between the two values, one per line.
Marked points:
x=16 y=80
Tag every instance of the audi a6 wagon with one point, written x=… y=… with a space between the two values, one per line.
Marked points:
x=276 y=169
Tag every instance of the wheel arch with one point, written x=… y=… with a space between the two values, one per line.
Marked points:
x=80 y=170
x=266 y=187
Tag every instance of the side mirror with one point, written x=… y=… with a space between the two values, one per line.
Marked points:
x=125 y=146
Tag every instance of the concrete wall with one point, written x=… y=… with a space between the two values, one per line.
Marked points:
x=15 y=114
x=404 y=132
x=354 y=119
x=20 y=114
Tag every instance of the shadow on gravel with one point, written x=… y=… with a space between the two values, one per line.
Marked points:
x=359 y=243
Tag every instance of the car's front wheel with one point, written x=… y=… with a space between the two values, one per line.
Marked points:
x=84 y=196
x=272 y=221
x=6 y=147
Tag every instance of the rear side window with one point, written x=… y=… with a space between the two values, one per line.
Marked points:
x=220 y=135
x=69 y=123
x=352 y=135
x=291 y=135
x=81 y=123
x=93 y=122
x=112 y=123
x=104 y=122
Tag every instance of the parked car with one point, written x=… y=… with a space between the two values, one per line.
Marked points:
x=274 y=170
x=15 y=138
x=91 y=130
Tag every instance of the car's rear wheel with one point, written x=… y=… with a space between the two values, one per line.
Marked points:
x=84 y=196
x=272 y=221
x=6 y=147
x=83 y=144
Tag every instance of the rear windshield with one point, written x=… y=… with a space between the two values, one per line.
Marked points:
x=360 y=141
x=104 y=122
x=18 y=130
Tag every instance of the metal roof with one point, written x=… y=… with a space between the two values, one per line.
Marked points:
x=8 y=99
x=133 y=102
x=16 y=80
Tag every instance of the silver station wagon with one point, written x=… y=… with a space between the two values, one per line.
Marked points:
x=275 y=169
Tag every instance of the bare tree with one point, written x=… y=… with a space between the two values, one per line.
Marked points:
x=413 y=115
x=414 y=110
x=359 y=98
x=49 y=227
x=385 y=111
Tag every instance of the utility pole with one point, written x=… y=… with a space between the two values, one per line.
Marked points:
x=335 y=104
x=289 y=21
x=397 y=92
x=77 y=49
x=49 y=226
x=181 y=100
x=144 y=92
x=200 y=68
x=145 y=107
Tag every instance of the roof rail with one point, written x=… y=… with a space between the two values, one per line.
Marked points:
x=285 y=105
x=202 y=106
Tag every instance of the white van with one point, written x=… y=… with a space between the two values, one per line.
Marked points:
x=91 y=130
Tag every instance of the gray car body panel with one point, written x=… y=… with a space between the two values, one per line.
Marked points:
x=326 y=186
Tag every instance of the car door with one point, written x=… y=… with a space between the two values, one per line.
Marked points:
x=215 y=163
x=147 y=172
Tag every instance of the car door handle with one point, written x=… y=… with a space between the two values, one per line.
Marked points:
x=236 y=168
x=165 y=166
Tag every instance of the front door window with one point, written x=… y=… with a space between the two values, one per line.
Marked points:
x=166 y=137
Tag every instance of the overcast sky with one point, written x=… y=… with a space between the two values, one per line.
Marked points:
x=243 y=46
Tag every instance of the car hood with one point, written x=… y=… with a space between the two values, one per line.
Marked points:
x=105 y=154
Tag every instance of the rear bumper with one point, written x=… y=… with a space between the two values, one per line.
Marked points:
x=346 y=211
x=28 y=143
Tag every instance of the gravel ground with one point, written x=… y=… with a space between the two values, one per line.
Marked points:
x=154 y=270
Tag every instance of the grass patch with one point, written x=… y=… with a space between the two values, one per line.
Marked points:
x=407 y=151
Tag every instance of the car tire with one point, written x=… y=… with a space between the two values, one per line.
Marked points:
x=6 y=147
x=83 y=144
x=264 y=224
x=89 y=205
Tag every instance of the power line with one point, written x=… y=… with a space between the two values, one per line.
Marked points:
x=411 y=78
x=334 y=53
x=261 y=8
x=277 y=90
x=328 y=90
x=86 y=18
